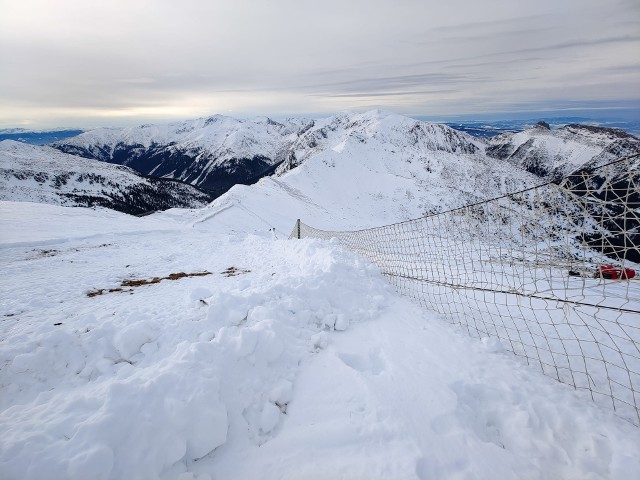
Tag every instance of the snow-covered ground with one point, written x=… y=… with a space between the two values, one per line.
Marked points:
x=301 y=362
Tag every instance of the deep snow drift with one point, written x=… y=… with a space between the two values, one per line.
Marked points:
x=298 y=362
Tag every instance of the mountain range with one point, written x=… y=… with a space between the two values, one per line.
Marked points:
x=211 y=153
x=37 y=137
x=387 y=166
x=556 y=153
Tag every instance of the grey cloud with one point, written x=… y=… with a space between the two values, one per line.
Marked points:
x=388 y=83
x=288 y=56
x=574 y=44
x=387 y=93
x=491 y=25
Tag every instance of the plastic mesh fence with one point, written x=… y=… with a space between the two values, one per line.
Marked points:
x=546 y=270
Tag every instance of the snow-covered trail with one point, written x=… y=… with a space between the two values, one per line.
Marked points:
x=302 y=364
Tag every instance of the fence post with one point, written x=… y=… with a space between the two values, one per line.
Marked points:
x=298 y=228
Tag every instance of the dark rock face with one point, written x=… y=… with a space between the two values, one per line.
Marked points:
x=611 y=196
x=531 y=159
x=612 y=132
x=526 y=155
x=139 y=199
x=501 y=151
x=193 y=166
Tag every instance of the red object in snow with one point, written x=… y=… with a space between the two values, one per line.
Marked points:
x=615 y=273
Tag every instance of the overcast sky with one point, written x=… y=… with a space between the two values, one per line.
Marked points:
x=117 y=62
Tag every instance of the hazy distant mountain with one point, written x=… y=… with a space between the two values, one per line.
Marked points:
x=43 y=174
x=556 y=153
x=35 y=137
x=484 y=128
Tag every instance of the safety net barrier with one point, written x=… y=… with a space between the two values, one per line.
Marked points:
x=550 y=271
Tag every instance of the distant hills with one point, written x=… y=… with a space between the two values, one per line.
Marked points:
x=34 y=137
x=483 y=128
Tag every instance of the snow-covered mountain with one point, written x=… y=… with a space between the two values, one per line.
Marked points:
x=573 y=152
x=362 y=170
x=556 y=153
x=46 y=175
x=379 y=131
x=212 y=153
x=218 y=152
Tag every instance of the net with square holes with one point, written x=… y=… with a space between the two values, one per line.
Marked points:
x=549 y=271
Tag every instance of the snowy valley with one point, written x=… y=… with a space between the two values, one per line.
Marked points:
x=201 y=343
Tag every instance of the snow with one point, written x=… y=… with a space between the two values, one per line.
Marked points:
x=302 y=363
x=284 y=358
x=37 y=224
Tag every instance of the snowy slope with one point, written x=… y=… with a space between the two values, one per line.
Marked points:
x=370 y=169
x=559 y=152
x=43 y=174
x=302 y=364
x=378 y=129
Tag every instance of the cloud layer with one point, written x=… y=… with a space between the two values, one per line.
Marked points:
x=86 y=63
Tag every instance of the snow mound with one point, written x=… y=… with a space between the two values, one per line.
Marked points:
x=136 y=394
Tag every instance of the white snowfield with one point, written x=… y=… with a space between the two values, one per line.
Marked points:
x=285 y=359
x=300 y=362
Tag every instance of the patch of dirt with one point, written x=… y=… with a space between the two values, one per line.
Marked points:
x=172 y=276
x=141 y=282
x=95 y=293
x=233 y=271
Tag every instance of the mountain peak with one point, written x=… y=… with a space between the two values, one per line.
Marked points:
x=583 y=129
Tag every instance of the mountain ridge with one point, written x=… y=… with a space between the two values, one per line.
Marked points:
x=46 y=175
x=217 y=152
x=556 y=153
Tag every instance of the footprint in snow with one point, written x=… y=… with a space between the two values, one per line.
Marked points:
x=373 y=362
